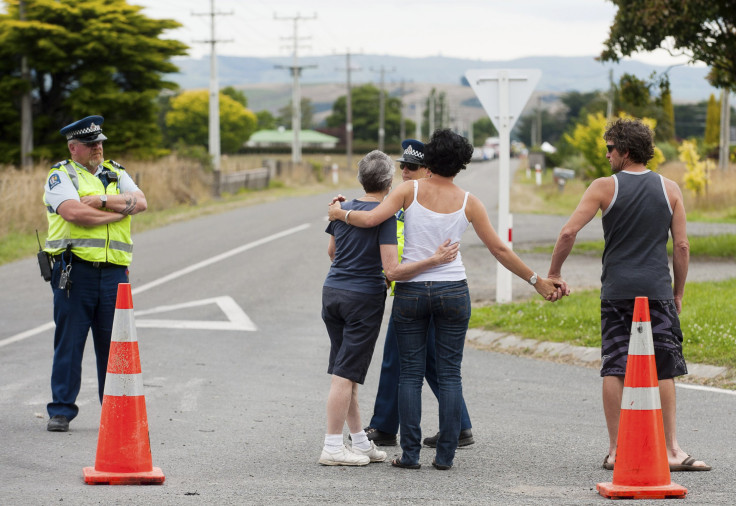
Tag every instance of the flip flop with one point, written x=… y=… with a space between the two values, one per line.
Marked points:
x=606 y=465
x=687 y=465
x=398 y=463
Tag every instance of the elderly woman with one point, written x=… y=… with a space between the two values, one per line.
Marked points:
x=353 y=299
x=437 y=209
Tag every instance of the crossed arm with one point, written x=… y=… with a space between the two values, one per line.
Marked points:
x=88 y=212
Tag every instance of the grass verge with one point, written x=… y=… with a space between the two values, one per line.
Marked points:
x=707 y=321
x=712 y=246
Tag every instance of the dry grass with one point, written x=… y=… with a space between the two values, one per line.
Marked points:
x=176 y=189
x=719 y=199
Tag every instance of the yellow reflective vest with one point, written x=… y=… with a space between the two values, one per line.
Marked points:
x=100 y=243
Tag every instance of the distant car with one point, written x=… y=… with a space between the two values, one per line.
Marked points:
x=477 y=155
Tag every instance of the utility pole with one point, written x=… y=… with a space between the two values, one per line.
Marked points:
x=609 y=108
x=724 y=145
x=214 y=117
x=296 y=98
x=349 y=113
x=418 y=125
x=430 y=117
x=26 y=114
x=382 y=106
x=402 y=127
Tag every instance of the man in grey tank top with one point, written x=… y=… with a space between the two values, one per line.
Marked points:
x=640 y=209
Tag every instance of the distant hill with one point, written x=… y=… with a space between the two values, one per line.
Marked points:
x=559 y=74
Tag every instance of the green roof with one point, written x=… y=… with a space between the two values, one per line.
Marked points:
x=286 y=136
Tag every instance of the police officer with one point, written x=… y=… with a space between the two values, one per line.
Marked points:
x=89 y=203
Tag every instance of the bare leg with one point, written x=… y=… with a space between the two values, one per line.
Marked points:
x=613 y=388
x=339 y=403
x=353 y=417
x=675 y=454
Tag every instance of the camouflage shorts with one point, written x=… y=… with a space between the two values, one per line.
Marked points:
x=616 y=316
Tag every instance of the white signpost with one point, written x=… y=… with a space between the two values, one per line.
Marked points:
x=503 y=93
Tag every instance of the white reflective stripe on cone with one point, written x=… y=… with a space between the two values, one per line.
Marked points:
x=640 y=398
x=124 y=385
x=641 y=342
x=123 y=326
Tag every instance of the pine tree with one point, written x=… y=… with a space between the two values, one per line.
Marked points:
x=713 y=121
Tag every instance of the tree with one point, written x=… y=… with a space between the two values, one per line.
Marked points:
x=188 y=120
x=696 y=177
x=704 y=30
x=713 y=122
x=266 y=120
x=666 y=126
x=482 y=129
x=86 y=57
x=365 y=100
x=284 y=118
x=236 y=95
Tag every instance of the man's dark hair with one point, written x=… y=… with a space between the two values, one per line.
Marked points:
x=633 y=137
x=447 y=153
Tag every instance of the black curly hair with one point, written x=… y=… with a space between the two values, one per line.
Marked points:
x=447 y=153
x=632 y=136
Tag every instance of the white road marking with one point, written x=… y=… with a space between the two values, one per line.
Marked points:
x=174 y=275
x=237 y=319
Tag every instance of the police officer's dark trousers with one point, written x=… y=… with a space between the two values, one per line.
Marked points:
x=89 y=304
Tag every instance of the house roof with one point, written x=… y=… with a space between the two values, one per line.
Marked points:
x=286 y=136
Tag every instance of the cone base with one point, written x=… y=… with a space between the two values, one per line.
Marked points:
x=671 y=491
x=93 y=477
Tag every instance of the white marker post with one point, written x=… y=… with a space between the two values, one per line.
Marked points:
x=503 y=94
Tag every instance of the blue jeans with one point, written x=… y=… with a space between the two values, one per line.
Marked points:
x=386 y=408
x=447 y=303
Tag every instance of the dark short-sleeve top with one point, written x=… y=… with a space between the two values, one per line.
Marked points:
x=357 y=265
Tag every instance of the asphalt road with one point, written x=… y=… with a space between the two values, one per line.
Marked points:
x=234 y=358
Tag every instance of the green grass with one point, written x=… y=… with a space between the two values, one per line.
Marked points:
x=707 y=321
x=713 y=246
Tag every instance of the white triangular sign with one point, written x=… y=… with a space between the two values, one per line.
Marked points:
x=486 y=83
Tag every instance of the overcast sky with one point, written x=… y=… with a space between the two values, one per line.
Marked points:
x=476 y=29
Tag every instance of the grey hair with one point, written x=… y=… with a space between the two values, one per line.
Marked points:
x=376 y=171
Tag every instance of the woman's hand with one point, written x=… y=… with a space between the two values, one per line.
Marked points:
x=446 y=253
x=334 y=210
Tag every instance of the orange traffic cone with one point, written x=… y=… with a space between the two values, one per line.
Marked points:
x=123 y=447
x=641 y=470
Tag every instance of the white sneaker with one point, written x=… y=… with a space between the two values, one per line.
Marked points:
x=372 y=453
x=343 y=457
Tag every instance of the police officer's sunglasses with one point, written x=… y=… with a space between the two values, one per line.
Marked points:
x=409 y=166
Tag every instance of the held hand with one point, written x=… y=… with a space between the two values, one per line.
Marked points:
x=334 y=209
x=561 y=284
x=548 y=289
x=339 y=198
x=447 y=252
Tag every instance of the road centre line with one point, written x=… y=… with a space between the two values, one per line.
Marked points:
x=169 y=277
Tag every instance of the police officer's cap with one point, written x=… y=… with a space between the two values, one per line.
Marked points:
x=85 y=130
x=413 y=152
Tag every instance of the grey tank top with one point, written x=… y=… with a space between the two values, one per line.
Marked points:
x=636 y=226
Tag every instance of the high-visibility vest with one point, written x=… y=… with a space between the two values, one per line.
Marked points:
x=100 y=243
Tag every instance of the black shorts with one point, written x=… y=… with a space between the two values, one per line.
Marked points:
x=353 y=321
x=616 y=317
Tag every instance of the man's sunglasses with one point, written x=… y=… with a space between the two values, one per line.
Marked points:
x=610 y=147
x=411 y=166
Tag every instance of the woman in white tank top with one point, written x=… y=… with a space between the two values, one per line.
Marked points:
x=435 y=210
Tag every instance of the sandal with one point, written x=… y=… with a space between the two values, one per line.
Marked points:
x=398 y=463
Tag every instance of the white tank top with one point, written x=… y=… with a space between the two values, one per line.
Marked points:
x=425 y=230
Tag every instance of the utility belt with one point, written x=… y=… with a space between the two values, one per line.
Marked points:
x=96 y=265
